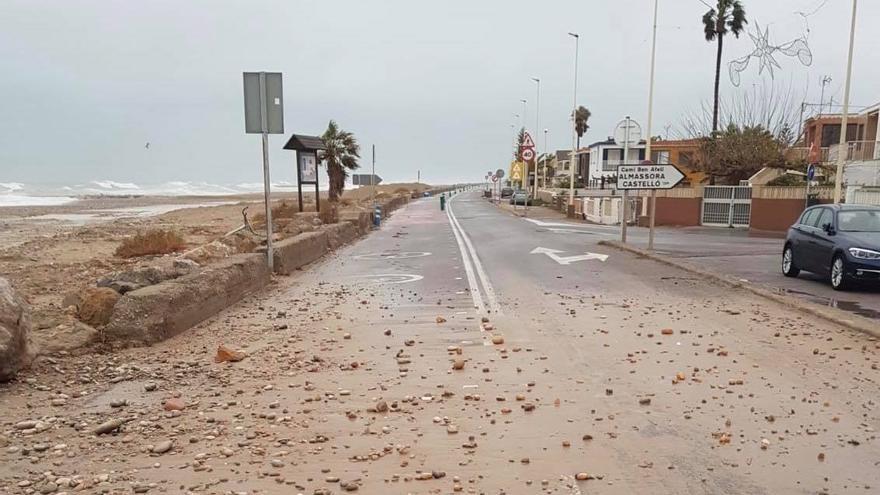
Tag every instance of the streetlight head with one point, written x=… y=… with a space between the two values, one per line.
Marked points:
x=523 y=101
x=574 y=34
x=536 y=79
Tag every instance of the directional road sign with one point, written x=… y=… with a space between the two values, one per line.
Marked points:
x=365 y=179
x=648 y=176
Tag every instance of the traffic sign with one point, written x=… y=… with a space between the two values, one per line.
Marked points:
x=494 y=178
x=627 y=132
x=648 y=176
x=811 y=171
x=527 y=141
x=365 y=180
x=528 y=154
x=499 y=173
x=516 y=170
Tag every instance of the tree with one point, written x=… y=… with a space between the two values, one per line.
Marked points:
x=517 y=148
x=341 y=155
x=581 y=117
x=728 y=16
x=737 y=153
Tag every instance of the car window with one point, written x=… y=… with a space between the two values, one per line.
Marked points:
x=859 y=221
x=822 y=218
x=809 y=217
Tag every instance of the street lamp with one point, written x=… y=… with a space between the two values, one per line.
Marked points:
x=537 y=126
x=573 y=123
x=648 y=142
x=841 y=148
x=546 y=154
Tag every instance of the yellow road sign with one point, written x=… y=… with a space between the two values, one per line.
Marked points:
x=516 y=170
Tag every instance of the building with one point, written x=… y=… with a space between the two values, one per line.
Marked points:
x=683 y=153
x=606 y=155
x=563 y=169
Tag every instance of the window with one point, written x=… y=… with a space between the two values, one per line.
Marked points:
x=686 y=159
x=859 y=221
x=611 y=159
x=809 y=217
x=823 y=218
x=660 y=157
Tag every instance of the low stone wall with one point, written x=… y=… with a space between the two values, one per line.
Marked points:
x=675 y=212
x=775 y=215
x=160 y=311
x=361 y=220
x=298 y=251
x=339 y=234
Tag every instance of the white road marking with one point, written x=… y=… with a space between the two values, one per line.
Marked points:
x=468 y=269
x=553 y=254
x=394 y=278
x=391 y=256
x=484 y=279
x=540 y=223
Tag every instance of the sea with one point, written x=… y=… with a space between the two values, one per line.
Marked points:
x=23 y=194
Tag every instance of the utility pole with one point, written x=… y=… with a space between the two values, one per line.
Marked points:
x=537 y=126
x=648 y=142
x=373 y=178
x=573 y=122
x=842 y=147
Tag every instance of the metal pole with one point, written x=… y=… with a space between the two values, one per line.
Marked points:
x=625 y=199
x=266 y=182
x=546 y=157
x=525 y=178
x=373 y=178
x=807 y=198
x=573 y=123
x=537 y=126
x=841 y=149
x=648 y=142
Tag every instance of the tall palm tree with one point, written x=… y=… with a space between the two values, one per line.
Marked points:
x=341 y=155
x=728 y=16
x=581 y=117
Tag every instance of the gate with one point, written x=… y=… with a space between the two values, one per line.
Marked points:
x=726 y=206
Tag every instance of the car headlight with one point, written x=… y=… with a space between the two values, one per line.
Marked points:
x=864 y=254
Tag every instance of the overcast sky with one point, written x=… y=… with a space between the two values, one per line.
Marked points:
x=434 y=85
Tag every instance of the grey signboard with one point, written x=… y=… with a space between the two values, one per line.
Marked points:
x=253 y=103
x=365 y=179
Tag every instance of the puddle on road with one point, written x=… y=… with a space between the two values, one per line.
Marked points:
x=849 y=306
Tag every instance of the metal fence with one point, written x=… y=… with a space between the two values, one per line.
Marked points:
x=726 y=206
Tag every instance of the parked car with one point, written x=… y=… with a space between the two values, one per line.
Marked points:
x=841 y=242
x=520 y=198
x=506 y=192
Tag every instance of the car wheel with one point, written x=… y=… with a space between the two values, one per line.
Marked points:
x=839 y=279
x=788 y=268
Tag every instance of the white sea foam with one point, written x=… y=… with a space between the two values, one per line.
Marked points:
x=17 y=200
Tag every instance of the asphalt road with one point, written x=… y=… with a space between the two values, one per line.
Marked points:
x=443 y=353
x=731 y=252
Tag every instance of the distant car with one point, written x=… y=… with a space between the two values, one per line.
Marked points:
x=841 y=242
x=506 y=192
x=520 y=198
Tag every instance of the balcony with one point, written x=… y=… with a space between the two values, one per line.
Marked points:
x=856 y=151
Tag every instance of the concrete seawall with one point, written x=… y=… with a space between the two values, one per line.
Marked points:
x=157 y=312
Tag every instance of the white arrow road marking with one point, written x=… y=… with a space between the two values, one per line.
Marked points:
x=567 y=260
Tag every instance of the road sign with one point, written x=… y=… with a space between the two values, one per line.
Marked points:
x=527 y=141
x=263 y=90
x=494 y=178
x=627 y=132
x=528 y=154
x=811 y=171
x=516 y=170
x=648 y=176
x=499 y=173
x=365 y=180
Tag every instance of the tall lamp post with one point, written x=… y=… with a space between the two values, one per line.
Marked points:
x=573 y=122
x=525 y=180
x=648 y=142
x=546 y=157
x=842 y=148
x=537 y=126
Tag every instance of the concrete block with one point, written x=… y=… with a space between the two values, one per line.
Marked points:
x=339 y=234
x=298 y=251
x=160 y=311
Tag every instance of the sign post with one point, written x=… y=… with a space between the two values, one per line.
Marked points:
x=649 y=176
x=528 y=154
x=264 y=114
x=628 y=132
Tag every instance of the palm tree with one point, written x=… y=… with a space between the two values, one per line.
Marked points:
x=728 y=16
x=341 y=155
x=581 y=116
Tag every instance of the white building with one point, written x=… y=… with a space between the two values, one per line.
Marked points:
x=605 y=156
